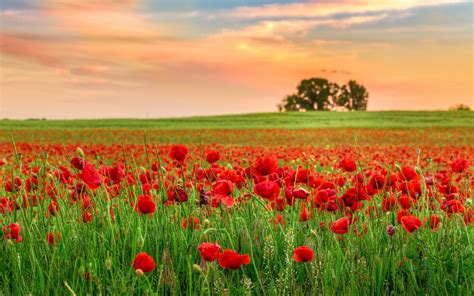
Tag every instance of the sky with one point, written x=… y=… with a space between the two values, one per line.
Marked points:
x=169 y=58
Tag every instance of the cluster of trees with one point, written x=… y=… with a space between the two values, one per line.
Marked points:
x=460 y=107
x=319 y=94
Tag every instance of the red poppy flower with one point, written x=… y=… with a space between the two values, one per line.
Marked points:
x=144 y=262
x=389 y=203
x=12 y=231
x=191 y=222
x=265 y=165
x=300 y=193
x=232 y=260
x=178 y=152
x=6 y=205
x=453 y=206
x=9 y=186
x=116 y=174
x=78 y=163
x=177 y=194
x=53 y=208
x=209 y=251
x=278 y=220
x=303 y=254
x=146 y=205
x=223 y=187
x=86 y=217
x=267 y=189
x=434 y=222
x=91 y=177
x=341 y=226
x=212 y=156
x=53 y=238
x=460 y=165
x=408 y=174
x=348 y=164
x=401 y=214
x=305 y=214
x=410 y=223
x=405 y=201
x=469 y=217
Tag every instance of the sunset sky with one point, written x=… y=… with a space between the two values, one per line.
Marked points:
x=163 y=58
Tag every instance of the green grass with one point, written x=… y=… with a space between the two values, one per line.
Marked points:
x=423 y=263
x=387 y=119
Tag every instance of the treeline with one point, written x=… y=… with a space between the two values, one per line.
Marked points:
x=319 y=94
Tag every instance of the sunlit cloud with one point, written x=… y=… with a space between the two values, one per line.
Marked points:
x=330 y=7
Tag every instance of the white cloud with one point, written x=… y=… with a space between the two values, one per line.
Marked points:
x=328 y=8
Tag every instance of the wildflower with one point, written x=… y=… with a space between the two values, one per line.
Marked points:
x=232 y=260
x=12 y=231
x=212 y=156
x=178 y=152
x=390 y=230
x=91 y=177
x=265 y=165
x=341 y=226
x=143 y=263
x=348 y=165
x=410 y=223
x=53 y=238
x=209 y=251
x=303 y=254
x=145 y=205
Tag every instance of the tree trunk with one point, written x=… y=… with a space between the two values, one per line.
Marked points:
x=320 y=105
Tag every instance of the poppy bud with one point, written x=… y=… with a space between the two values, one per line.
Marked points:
x=108 y=263
x=398 y=167
x=139 y=272
x=418 y=170
x=80 y=152
x=140 y=242
x=82 y=270
x=140 y=238
x=390 y=230
x=203 y=198
x=206 y=223
x=197 y=268
x=49 y=177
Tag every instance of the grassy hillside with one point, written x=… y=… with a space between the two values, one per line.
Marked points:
x=389 y=119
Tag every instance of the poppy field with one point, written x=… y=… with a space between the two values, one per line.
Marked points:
x=237 y=212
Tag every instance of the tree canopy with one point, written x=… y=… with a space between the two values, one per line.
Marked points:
x=319 y=94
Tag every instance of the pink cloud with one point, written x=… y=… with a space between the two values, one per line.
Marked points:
x=34 y=49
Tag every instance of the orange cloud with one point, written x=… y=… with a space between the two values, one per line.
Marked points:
x=29 y=48
x=92 y=4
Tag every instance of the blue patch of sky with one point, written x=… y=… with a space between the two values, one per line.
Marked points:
x=451 y=22
x=18 y=4
x=209 y=5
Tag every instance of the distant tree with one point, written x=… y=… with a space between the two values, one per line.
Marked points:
x=353 y=96
x=319 y=94
x=460 y=107
x=312 y=94
x=290 y=103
